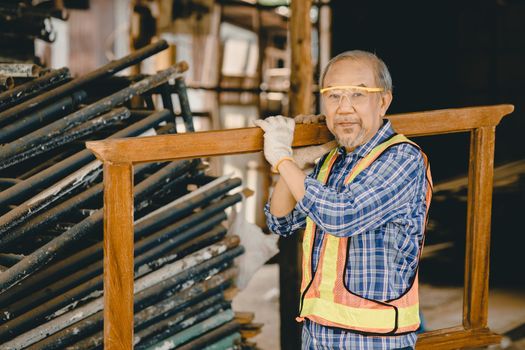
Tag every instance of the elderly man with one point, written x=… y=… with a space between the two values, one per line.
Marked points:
x=364 y=208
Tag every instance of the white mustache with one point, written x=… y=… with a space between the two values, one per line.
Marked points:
x=339 y=120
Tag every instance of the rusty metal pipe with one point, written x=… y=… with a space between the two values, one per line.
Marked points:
x=6 y=82
x=27 y=187
x=18 y=215
x=48 y=301
x=184 y=101
x=50 y=131
x=181 y=244
x=61 y=137
x=149 y=290
x=81 y=178
x=153 y=312
x=157 y=220
x=74 y=85
x=74 y=286
x=152 y=242
x=27 y=26
x=24 y=212
x=28 y=90
x=165 y=288
x=46 y=253
x=20 y=9
x=192 y=314
x=43 y=116
x=19 y=70
x=81 y=332
x=201 y=341
x=33 y=225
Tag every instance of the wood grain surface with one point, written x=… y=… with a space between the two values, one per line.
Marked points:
x=118 y=256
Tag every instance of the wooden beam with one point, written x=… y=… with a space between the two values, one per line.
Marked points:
x=246 y=140
x=118 y=256
x=449 y=120
x=456 y=338
x=325 y=35
x=198 y=144
x=301 y=73
x=481 y=173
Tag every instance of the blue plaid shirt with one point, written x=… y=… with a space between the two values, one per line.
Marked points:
x=383 y=210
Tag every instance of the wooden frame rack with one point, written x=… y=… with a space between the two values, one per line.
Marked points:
x=119 y=156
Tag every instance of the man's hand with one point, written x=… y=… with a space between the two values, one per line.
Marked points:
x=305 y=157
x=278 y=137
x=309 y=119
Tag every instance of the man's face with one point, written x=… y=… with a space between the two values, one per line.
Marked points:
x=353 y=119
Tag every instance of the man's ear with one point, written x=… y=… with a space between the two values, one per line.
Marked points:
x=386 y=100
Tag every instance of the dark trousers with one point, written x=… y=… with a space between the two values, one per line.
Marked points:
x=407 y=348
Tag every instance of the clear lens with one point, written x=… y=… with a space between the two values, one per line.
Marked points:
x=354 y=96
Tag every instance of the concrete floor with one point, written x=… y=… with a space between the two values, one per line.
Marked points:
x=262 y=297
x=441 y=307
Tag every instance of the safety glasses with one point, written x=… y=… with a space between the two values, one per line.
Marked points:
x=356 y=95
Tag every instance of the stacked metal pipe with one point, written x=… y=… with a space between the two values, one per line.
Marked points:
x=51 y=286
x=22 y=19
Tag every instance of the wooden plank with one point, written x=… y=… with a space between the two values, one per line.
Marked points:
x=250 y=333
x=325 y=35
x=118 y=256
x=230 y=293
x=456 y=338
x=197 y=331
x=228 y=342
x=481 y=172
x=246 y=140
x=301 y=73
x=210 y=337
x=198 y=144
x=449 y=120
x=244 y=317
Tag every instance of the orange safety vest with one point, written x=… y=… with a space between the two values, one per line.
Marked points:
x=326 y=300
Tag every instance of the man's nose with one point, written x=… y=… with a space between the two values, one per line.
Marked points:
x=345 y=103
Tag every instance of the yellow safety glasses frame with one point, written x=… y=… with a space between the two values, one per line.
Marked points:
x=362 y=88
x=356 y=95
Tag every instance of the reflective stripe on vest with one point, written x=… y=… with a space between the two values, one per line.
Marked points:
x=325 y=298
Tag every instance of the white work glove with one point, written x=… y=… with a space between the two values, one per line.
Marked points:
x=309 y=119
x=278 y=137
x=305 y=157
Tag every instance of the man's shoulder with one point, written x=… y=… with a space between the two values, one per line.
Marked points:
x=404 y=155
x=403 y=150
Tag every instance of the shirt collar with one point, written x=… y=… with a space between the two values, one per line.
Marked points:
x=384 y=133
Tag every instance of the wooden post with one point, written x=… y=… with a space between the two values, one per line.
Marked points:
x=481 y=172
x=325 y=34
x=301 y=79
x=301 y=75
x=118 y=256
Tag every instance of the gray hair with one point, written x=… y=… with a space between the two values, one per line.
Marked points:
x=382 y=75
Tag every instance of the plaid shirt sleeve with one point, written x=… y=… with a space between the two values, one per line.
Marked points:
x=296 y=219
x=376 y=196
x=284 y=225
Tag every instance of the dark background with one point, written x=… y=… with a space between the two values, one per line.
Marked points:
x=450 y=54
